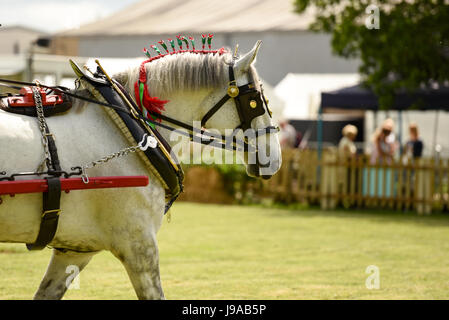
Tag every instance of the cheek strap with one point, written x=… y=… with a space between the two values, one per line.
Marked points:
x=214 y=109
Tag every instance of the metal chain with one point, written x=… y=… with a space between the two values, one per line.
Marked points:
x=148 y=140
x=42 y=125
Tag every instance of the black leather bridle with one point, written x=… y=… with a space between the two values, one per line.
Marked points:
x=250 y=104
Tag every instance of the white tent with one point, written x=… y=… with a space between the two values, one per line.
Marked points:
x=301 y=92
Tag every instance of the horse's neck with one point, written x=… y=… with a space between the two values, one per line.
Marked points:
x=186 y=107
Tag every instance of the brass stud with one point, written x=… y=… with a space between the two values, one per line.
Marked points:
x=253 y=104
x=233 y=91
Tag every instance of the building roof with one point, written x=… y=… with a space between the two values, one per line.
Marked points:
x=197 y=16
x=17 y=39
x=20 y=28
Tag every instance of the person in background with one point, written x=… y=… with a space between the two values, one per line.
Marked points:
x=347 y=151
x=346 y=146
x=414 y=146
x=287 y=134
x=298 y=139
x=384 y=146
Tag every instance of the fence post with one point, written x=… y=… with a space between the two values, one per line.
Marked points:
x=420 y=183
x=329 y=183
x=423 y=194
x=325 y=183
x=286 y=177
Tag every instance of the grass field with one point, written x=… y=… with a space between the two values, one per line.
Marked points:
x=234 y=252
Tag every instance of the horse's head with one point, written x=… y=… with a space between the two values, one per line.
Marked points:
x=249 y=111
x=217 y=90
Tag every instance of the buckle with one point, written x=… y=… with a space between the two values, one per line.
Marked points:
x=50 y=135
x=57 y=211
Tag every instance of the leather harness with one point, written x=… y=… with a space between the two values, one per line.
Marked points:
x=158 y=160
x=250 y=103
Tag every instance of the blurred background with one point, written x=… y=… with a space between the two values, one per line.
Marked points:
x=314 y=89
x=297 y=64
x=364 y=135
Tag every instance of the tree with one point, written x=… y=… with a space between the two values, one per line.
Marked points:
x=409 y=48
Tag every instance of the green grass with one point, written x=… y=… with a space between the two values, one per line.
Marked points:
x=235 y=252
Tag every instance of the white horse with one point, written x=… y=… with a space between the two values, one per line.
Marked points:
x=124 y=221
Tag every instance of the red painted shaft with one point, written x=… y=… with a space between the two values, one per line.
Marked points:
x=68 y=184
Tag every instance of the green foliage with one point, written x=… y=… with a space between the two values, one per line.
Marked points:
x=234 y=176
x=409 y=50
x=236 y=181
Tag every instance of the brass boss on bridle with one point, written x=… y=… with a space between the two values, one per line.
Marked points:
x=250 y=103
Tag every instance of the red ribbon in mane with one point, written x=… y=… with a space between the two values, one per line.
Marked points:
x=152 y=104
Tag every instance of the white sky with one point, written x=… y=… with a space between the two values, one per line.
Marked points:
x=56 y=15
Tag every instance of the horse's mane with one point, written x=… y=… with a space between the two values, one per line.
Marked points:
x=186 y=71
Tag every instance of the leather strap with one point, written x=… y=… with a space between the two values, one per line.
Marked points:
x=50 y=216
x=53 y=153
x=231 y=71
x=223 y=100
x=242 y=89
x=214 y=109
x=51 y=198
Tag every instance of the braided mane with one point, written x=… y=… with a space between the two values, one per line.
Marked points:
x=177 y=70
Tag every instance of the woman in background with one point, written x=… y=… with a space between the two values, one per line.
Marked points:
x=346 y=146
x=384 y=148
x=414 y=146
x=347 y=151
x=384 y=143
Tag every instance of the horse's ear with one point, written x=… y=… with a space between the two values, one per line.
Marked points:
x=245 y=62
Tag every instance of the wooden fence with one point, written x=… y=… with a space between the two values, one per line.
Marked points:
x=405 y=184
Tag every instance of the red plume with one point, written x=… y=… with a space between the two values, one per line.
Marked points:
x=152 y=104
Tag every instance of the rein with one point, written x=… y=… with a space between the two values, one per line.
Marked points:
x=197 y=139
